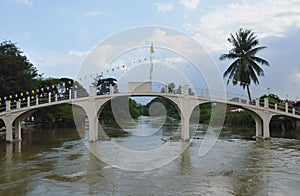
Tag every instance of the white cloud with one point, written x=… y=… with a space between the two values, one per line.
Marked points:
x=77 y=53
x=26 y=2
x=266 y=18
x=164 y=7
x=190 y=4
x=298 y=76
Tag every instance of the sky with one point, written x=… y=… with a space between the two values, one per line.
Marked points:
x=57 y=35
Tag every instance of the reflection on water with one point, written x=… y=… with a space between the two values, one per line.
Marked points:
x=56 y=162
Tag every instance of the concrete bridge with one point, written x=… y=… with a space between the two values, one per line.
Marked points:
x=92 y=105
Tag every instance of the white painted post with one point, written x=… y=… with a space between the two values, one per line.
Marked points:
x=248 y=101
x=28 y=101
x=75 y=94
x=49 y=97
x=207 y=93
x=202 y=92
x=294 y=111
x=92 y=91
x=56 y=97
x=166 y=89
x=18 y=104
x=240 y=99
x=257 y=102
x=266 y=102
x=111 y=89
x=185 y=90
x=286 y=107
x=8 y=102
x=276 y=106
x=37 y=100
x=70 y=93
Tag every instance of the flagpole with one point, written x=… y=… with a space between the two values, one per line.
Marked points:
x=151 y=63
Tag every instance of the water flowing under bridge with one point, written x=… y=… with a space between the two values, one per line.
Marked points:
x=14 y=112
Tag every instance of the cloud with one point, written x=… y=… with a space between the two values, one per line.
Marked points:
x=266 y=18
x=77 y=53
x=25 y=2
x=298 y=76
x=164 y=7
x=189 y=4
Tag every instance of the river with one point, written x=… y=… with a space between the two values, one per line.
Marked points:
x=57 y=162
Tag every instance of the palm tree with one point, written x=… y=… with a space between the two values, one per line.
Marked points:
x=245 y=68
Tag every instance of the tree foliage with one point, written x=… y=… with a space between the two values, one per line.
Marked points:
x=103 y=85
x=17 y=74
x=245 y=66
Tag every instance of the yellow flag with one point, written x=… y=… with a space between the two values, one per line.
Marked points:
x=151 y=49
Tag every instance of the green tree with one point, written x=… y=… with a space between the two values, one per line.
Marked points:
x=245 y=67
x=103 y=85
x=17 y=74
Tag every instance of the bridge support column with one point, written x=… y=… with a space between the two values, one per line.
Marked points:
x=93 y=128
x=92 y=116
x=186 y=108
x=259 y=128
x=185 y=128
x=266 y=127
x=9 y=132
x=18 y=129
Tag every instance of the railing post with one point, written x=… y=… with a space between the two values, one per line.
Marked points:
x=294 y=111
x=166 y=89
x=276 y=106
x=37 y=100
x=111 y=89
x=8 y=102
x=286 y=107
x=56 y=97
x=18 y=104
x=207 y=93
x=28 y=101
x=70 y=93
x=202 y=92
x=248 y=101
x=240 y=99
x=49 y=97
x=92 y=91
x=257 y=102
x=185 y=90
x=75 y=94
x=266 y=102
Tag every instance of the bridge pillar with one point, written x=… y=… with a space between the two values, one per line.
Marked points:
x=92 y=116
x=186 y=108
x=18 y=129
x=9 y=131
x=259 y=128
x=266 y=127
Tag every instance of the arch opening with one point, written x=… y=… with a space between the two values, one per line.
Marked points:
x=139 y=116
x=285 y=126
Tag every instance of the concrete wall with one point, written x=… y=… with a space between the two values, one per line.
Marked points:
x=139 y=87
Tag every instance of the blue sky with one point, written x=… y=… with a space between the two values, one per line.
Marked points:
x=56 y=35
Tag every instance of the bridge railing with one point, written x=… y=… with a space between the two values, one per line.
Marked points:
x=74 y=93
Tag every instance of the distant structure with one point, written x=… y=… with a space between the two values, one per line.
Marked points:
x=151 y=63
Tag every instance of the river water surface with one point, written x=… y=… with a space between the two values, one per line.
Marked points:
x=56 y=162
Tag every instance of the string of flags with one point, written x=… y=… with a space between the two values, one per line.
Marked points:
x=37 y=92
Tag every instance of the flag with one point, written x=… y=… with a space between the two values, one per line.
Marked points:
x=151 y=49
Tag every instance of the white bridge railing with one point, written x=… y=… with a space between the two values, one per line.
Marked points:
x=215 y=96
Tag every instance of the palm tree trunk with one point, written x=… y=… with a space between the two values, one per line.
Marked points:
x=249 y=95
